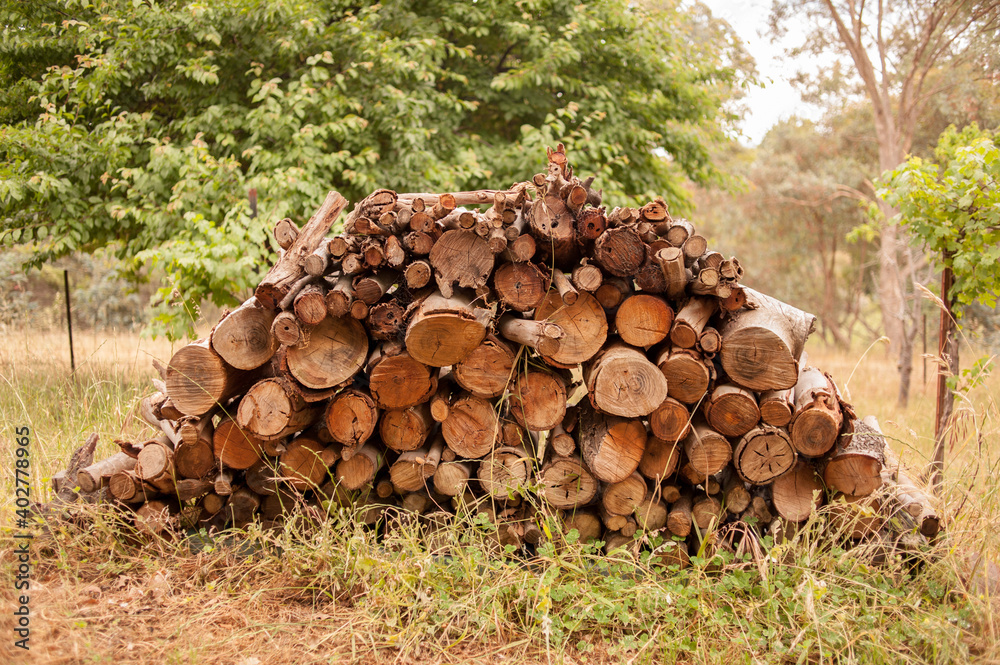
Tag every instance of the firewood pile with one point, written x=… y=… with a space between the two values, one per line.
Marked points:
x=521 y=352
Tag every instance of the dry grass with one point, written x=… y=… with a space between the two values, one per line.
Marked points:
x=335 y=594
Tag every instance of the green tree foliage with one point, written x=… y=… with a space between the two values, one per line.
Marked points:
x=141 y=125
x=952 y=206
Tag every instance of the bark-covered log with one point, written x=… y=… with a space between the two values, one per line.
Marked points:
x=351 y=417
x=520 y=286
x=761 y=346
x=732 y=410
x=544 y=337
x=855 y=466
x=538 y=400
x=763 y=454
x=817 y=418
x=445 y=329
x=399 y=381
x=687 y=373
x=565 y=482
x=97 y=475
x=797 y=493
x=198 y=379
x=620 y=251
x=505 y=472
x=243 y=337
x=776 y=406
x=622 y=382
x=690 y=321
x=289 y=268
x=487 y=370
x=584 y=324
x=625 y=496
x=643 y=320
x=336 y=351
x=612 y=446
x=272 y=410
x=707 y=451
x=660 y=459
x=406 y=429
x=235 y=447
x=472 y=427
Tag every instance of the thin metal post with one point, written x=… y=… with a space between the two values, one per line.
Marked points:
x=69 y=322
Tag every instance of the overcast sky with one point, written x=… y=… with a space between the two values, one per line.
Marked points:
x=778 y=99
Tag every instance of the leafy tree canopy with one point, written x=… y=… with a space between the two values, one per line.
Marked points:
x=141 y=125
x=952 y=205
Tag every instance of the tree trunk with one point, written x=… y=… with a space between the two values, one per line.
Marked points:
x=686 y=372
x=625 y=496
x=776 y=406
x=707 y=451
x=584 y=324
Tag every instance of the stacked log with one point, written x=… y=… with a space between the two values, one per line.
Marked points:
x=526 y=348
